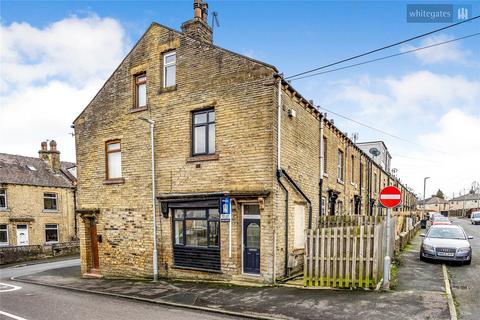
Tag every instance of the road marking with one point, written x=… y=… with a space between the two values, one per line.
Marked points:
x=12 y=315
x=448 y=291
x=10 y=287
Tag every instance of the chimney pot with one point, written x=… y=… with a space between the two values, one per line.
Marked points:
x=44 y=146
x=53 y=145
x=197 y=9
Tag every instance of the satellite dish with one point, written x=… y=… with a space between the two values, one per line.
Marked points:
x=374 y=152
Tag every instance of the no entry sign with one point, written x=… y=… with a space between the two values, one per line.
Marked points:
x=390 y=197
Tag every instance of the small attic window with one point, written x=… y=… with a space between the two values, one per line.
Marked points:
x=32 y=168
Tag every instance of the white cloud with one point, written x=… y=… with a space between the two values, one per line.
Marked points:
x=48 y=75
x=436 y=112
x=450 y=52
x=456 y=133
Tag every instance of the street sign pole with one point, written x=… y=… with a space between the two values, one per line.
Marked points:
x=390 y=197
x=387 y=260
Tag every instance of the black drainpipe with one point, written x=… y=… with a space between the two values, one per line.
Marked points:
x=296 y=187
x=279 y=175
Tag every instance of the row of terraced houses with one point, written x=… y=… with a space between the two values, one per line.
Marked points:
x=225 y=126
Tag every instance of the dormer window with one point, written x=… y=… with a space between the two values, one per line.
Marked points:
x=169 y=69
x=141 y=91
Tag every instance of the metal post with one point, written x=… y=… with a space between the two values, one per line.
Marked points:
x=154 y=207
x=387 y=260
x=424 y=187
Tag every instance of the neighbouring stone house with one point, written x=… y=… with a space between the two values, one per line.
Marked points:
x=221 y=138
x=434 y=203
x=37 y=198
x=467 y=201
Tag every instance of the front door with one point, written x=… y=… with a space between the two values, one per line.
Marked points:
x=251 y=245
x=94 y=245
x=22 y=235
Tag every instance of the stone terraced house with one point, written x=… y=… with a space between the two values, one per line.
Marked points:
x=230 y=136
x=37 y=198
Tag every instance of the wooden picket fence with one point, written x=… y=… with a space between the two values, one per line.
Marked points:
x=347 y=255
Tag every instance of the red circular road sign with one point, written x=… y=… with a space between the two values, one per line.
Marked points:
x=390 y=197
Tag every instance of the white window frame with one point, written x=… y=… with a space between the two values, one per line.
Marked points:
x=6 y=202
x=56 y=202
x=58 y=233
x=165 y=65
x=8 y=238
x=299 y=227
x=341 y=165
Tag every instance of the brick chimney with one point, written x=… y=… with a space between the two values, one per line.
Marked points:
x=198 y=27
x=51 y=157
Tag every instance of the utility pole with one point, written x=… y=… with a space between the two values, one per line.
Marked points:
x=424 y=188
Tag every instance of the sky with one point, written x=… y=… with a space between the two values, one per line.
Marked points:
x=55 y=56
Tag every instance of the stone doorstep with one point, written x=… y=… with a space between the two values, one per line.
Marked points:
x=93 y=274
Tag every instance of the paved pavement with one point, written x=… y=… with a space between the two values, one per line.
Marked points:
x=466 y=279
x=422 y=298
x=33 y=302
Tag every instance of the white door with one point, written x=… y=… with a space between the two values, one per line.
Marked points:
x=22 y=235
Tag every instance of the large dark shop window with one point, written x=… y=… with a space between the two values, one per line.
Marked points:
x=196 y=235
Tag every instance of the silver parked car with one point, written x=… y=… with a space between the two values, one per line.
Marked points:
x=475 y=217
x=446 y=242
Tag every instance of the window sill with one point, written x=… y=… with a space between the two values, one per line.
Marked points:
x=51 y=242
x=5 y=210
x=50 y=211
x=133 y=110
x=167 y=89
x=325 y=175
x=114 y=181
x=207 y=157
x=340 y=181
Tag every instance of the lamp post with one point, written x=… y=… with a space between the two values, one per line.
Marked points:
x=154 y=207
x=424 y=187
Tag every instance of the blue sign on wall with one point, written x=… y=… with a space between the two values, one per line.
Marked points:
x=225 y=209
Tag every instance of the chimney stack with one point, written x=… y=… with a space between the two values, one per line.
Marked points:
x=52 y=156
x=198 y=28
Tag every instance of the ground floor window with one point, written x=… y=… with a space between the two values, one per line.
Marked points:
x=196 y=237
x=51 y=233
x=196 y=227
x=3 y=234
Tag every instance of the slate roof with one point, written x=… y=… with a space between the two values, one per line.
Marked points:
x=467 y=197
x=434 y=200
x=14 y=170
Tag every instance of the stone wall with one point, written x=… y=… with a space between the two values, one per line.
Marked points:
x=14 y=254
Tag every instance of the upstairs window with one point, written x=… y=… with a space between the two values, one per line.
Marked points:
x=340 y=165
x=114 y=160
x=3 y=199
x=141 y=91
x=50 y=201
x=51 y=233
x=169 y=69
x=203 y=132
x=353 y=169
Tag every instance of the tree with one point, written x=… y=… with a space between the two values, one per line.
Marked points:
x=439 y=194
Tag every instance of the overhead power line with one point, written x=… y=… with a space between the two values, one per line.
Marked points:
x=378 y=130
x=386 y=57
x=383 y=48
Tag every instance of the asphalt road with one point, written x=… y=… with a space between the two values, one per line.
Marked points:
x=466 y=279
x=33 y=302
